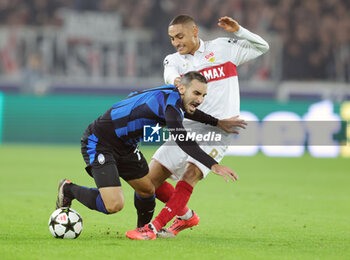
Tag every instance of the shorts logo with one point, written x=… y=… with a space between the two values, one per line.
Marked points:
x=151 y=133
x=101 y=158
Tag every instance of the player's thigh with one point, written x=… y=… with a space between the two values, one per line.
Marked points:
x=100 y=161
x=133 y=168
x=107 y=180
x=147 y=185
x=158 y=173
x=143 y=186
x=172 y=158
x=192 y=174
x=101 y=165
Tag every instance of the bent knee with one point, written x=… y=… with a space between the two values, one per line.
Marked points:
x=146 y=191
x=115 y=207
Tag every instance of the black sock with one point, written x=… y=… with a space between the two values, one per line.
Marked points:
x=90 y=197
x=145 y=209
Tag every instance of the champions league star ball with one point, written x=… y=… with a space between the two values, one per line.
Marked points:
x=65 y=223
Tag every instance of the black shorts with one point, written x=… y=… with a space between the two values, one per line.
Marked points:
x=105 y=163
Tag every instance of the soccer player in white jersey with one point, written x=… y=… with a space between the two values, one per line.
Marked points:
x=217 y=61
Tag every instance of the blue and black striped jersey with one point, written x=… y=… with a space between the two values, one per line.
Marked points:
x=129 y=116
x=122 y=125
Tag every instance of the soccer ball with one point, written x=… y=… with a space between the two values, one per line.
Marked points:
x=65 y=223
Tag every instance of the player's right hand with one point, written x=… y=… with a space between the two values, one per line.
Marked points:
x=224 y=172
x=228 y=24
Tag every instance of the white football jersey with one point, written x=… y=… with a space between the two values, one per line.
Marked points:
x=217 y=61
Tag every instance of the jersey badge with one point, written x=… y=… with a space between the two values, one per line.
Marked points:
x=101 y=158
x=232 y=40
x=210 y=57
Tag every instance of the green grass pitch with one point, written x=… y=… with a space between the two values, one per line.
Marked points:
x=281 y=208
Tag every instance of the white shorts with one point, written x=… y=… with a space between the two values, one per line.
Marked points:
x=172 y=157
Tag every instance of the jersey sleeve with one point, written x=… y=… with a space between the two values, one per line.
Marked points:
x=249 y=46
x=174 y=101
x=202 y=117
x=170 y=69
x=174 y=122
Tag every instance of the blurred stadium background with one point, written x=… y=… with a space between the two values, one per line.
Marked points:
x=63 y=62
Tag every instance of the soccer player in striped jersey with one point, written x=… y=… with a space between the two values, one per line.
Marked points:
x=217 y=60
x=109 y=145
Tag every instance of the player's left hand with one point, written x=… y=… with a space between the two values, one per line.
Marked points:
x=224 y=172
x=177 y=81
x=228 y=24
x=230 y=125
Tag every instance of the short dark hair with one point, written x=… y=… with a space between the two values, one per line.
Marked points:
x=181 y=19
x=190 y=76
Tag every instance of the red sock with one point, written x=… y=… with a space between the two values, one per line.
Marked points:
x=178 y=201
x=182 y=211
x=164 y=193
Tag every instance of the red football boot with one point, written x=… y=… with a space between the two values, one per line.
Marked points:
x=143 y=233
x=181 y=224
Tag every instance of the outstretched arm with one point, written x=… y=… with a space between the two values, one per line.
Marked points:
x=252 y=45
x=174 y=123
x=202 y=117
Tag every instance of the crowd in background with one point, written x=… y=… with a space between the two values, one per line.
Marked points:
x=315 y=33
